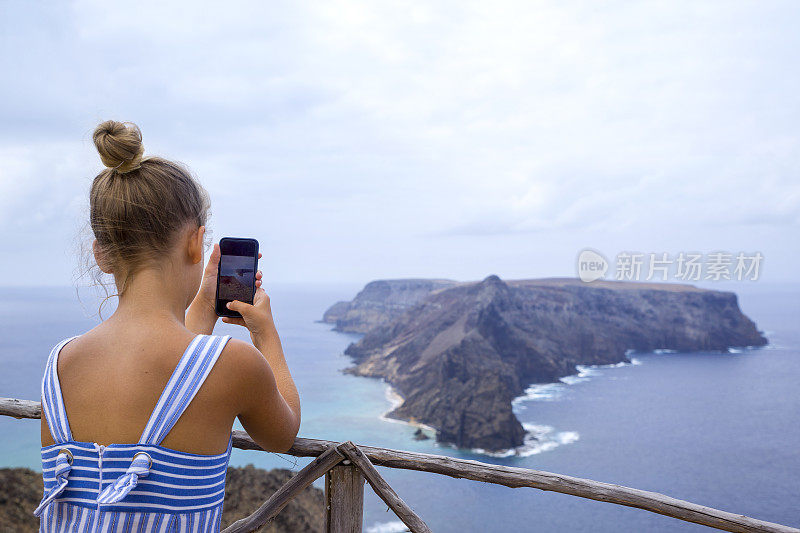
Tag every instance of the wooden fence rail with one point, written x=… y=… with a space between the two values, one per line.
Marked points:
x=364 y=457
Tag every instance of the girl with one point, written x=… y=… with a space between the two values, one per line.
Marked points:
x=137 y=413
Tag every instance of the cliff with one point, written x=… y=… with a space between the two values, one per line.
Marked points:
x=245 y=490
x=462 y=352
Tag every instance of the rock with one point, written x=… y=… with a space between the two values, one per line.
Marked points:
x=246 y=489
x=420 y=435
x=379 y=301
x=463 y=352
x=20 y=493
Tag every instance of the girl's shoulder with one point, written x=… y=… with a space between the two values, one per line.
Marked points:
x=87 y=338
x=70 y=348
x=238 y=358
x=242 y=358
x=240 y=365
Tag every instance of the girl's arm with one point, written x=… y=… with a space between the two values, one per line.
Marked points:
x=270 y=410
x=258 y=319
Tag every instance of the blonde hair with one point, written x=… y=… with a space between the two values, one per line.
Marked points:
x=138 y=205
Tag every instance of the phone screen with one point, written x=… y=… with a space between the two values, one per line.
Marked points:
x=236 y=279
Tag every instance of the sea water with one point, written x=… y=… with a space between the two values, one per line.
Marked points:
x=719 y=429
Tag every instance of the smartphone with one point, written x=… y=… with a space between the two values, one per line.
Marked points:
x=236 y=277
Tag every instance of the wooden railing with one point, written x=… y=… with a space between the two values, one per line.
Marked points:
x=347 y=466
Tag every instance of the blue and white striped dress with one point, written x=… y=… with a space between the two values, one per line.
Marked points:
x=141 y=487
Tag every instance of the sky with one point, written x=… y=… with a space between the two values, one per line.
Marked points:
x=365 y=140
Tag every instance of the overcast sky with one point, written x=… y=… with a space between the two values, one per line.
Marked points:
x=363 y=140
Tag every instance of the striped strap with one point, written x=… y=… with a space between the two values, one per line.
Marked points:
x=187 y=378
x=52 y=401
x=139 y=468
x=62 y=470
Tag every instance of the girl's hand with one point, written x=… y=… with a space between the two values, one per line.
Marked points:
x=201 y=314
x=257 y=317
x=208 y=286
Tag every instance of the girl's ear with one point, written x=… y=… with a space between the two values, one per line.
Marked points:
x=99 y=259
x=196 y=245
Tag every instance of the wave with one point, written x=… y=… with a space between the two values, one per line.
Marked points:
x=538 y=439
x=387 y=527
x=631 y=351
x=396 y=400
x=743 y=349
x=732 y=349
x=548 y=392
x=585 y=372
x=543 y=392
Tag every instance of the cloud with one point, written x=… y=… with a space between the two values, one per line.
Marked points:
x=397 y=137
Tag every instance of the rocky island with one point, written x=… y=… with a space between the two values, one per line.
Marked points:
x=459 y=352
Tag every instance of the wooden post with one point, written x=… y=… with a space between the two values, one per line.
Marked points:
x=382 y=488
x=290 y=489
x=344 y=499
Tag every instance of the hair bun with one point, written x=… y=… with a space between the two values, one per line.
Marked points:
x=120 y=145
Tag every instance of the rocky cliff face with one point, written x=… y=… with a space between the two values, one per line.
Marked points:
x=20 y=493
x=380 y=301
x=245 y=490
x=464 y=351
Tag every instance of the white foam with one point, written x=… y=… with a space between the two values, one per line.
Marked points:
x=743 y=349
x=549 y=392
x=544 y=392
x=396 y=400
x=664 y=350
x=387 y=527
x=538 y=439
x=585 y=372
x=544 y=438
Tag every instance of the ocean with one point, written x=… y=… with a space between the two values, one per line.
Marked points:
x=719 y=429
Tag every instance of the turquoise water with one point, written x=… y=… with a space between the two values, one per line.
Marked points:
x=716 y=429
